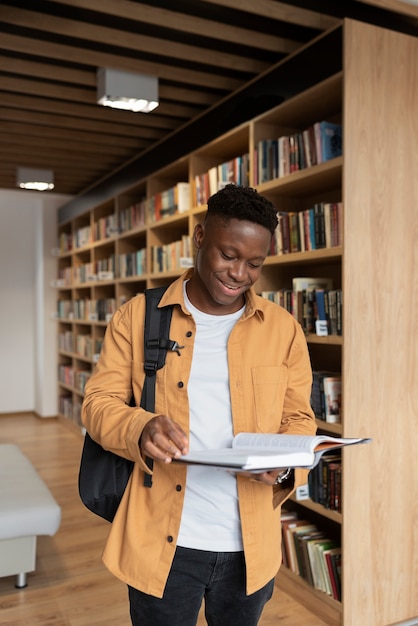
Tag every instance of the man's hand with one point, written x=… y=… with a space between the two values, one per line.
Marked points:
x=269 y=478
x=163 y=440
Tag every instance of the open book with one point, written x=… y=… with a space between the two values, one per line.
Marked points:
x=262 y=452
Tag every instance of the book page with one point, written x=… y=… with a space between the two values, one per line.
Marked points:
x=281 y=443
x=257 y=442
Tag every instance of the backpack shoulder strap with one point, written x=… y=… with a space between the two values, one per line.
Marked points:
x=156 y=344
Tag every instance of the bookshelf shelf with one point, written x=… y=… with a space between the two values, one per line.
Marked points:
x=325 y=607
x=335 y=516
x=369 y=189
x=315 y=178
x=306 y=258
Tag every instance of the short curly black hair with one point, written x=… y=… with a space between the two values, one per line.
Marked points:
x=242 y=203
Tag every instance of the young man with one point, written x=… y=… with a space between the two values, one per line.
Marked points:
x=200 y=533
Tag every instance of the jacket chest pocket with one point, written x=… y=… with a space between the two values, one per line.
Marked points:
x=269 y=388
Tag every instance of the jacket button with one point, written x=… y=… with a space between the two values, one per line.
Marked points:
x=178 y=487
x=180 y=384
x=189 y=333
x=170 y=539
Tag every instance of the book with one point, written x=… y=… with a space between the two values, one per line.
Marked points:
x=333 y=399
x=295 y=555
x=300 y=283
x=333 y=560
x=289 y=553
x=262 y=452
x=328 y=138
x=286 y=517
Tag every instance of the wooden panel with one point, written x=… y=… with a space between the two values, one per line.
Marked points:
x=380 y=325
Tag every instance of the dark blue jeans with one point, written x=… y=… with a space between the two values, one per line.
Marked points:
x=216 y=577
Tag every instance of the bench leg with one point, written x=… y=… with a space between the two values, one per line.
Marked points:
x=17 y=558
x=21 y=581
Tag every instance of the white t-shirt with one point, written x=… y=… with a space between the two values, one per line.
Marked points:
x=210 y=519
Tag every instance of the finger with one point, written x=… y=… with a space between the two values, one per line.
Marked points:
x=176 y=439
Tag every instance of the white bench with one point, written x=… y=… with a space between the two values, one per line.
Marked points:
x=27 y=509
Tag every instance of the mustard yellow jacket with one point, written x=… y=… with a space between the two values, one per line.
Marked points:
x=270 y=385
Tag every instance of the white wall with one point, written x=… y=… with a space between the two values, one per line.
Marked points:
x=28 y=333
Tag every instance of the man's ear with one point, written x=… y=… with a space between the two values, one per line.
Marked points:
x=198 y=234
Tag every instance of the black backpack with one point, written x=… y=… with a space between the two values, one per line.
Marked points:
x=103 y=476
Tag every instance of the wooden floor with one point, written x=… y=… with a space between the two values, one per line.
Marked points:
x=70 y=586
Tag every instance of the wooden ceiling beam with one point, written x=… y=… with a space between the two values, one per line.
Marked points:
x=185 y=23
x=88 y=166
x=280 y=11
x=87 y=112
x=63 y=174
x=74 y=147
x=95 y=59
x=97 y=34
x=47 y=71
x=96 y=140
x=80 y=124
x=61 y=93
x=88 y=78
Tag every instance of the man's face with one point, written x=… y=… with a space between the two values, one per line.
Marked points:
x=229 y=259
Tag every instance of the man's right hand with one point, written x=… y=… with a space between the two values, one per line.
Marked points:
x=163 y=439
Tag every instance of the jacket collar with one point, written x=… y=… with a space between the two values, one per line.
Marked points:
x=254 y=305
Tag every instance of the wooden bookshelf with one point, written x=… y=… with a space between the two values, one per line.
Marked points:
x=374 y=97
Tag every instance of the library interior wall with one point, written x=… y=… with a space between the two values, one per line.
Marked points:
x=28 y=355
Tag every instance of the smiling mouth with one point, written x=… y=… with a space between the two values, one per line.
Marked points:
x=231 y=287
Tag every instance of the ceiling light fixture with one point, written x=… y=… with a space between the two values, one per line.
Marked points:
x=127 y=91
x=35 y=179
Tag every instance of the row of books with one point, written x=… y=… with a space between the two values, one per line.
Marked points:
x=278 y=157
x=326 y=396
x=73 y=377
x=324 y=482
x=65 y=243
x=235 y=170
x=309 y=553
x=313 y=302
x=70 y=408
x=175 y=199
x=106 y=227
x=172 y=256
x=103 y=269
x=92 y=310
x=132 y=264
x=314 y=228
x=66 y=341
x=320 y=226
x=171 y=201
x=81 y=344
x=133 y=216
x=65 y=277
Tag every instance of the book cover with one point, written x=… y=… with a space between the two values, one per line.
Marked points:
x=286 y=516
x=299 y=283
x=297 y=564
x=304 y=539
x=333 y=399
x=331 y=140
x=333 y=560
x=324 y=576
x=182 y=197
x=287 y=539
